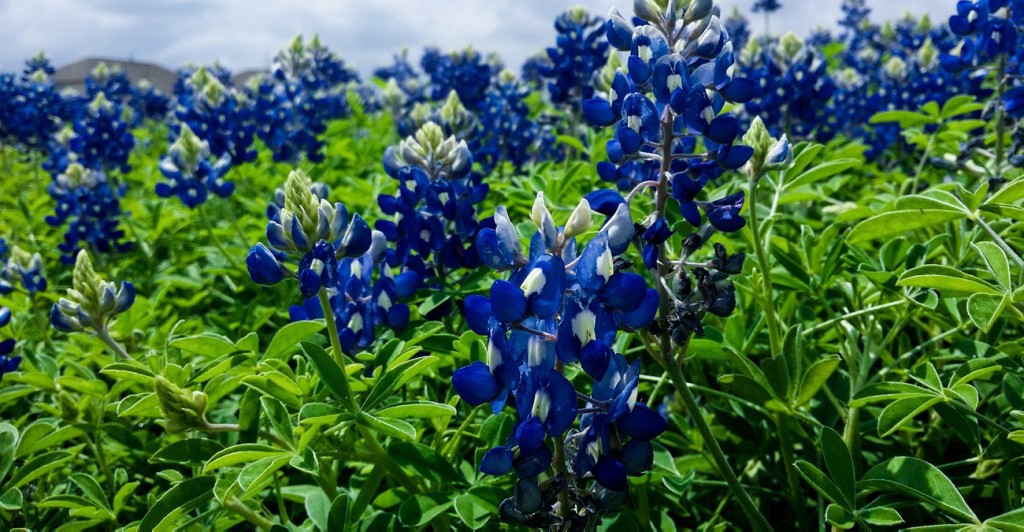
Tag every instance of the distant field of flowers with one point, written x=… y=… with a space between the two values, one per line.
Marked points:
x=668 y=274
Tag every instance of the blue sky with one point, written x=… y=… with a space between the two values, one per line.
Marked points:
x=245 y=34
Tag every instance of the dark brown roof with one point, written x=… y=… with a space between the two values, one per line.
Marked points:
x=74 y=75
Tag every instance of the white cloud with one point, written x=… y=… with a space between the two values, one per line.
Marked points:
x=247 y=33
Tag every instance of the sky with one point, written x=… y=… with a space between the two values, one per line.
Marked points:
x=245 y=34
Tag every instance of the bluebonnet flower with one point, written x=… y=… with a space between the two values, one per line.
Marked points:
x=987 y=31
x=405 y=78
x=366 y=295
x=579 y=52
x=347 y=263
x=693 y=86
x=22 y=268
x=112 y=82
x=102 y=140
x=292 y=105
x=219 y=115
x=768 y=6
x=434 y=211
x=38 y=63
x=558 y=306
x=193 y=176
x=91 y=207
x=28 y=105
x=92 y=303
x=8 y=363
x=795 y=87
x=149 y=102
x=466 y=72
x=506 y=131
x=738 y=28
x=313 y=232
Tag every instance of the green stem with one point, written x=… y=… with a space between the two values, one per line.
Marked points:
x=206 y=426
x=757 y=520
x=101 y=458
x=103 y=334
x=252 y=516
x=369 y=438
x=774 y=330
x=861 y=312
x=339 y=355
x=453 y=442
x=281 y=509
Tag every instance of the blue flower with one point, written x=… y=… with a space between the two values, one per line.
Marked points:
x=580 y=50
x=91 y=207
x=216 y=113
x=193 y=176
x=8 y=363
x=22 y=268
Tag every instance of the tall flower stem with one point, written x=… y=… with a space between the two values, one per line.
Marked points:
x=774 y=329
x=754 y=516
x=672 y=363
x=368 y=437
x=103 y=334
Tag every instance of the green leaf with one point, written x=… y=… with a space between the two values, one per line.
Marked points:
x=996 y=263
x=840 y=464
x=92 y=490
x=286 y=340
x=329 y=371
x=318 y=508
x=1008 y=193
x=570 y=140
x=189 y=452
x=39 y=466
x=261 y=471
x=279 y=419
x=129 y=371
x=888 y=391
x=396 y=376
x=902 y=411
x=183 y=497
x=949 y=281
x=337 y=519
x=418 y=409
x=242 y=454
x=880 y=516
x=12 y=499
x=921 y=480
x=418 y=510
x=8 y=445
x=839 y=517
x=897 y=222
x=427 y=462
x=815 y=377
x=472 y=512
x=904 y=118
x=984 y=309
x=821 y=483
x=206 y=344
x=1009 y=211
x=389 y=427
x=823 y=171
